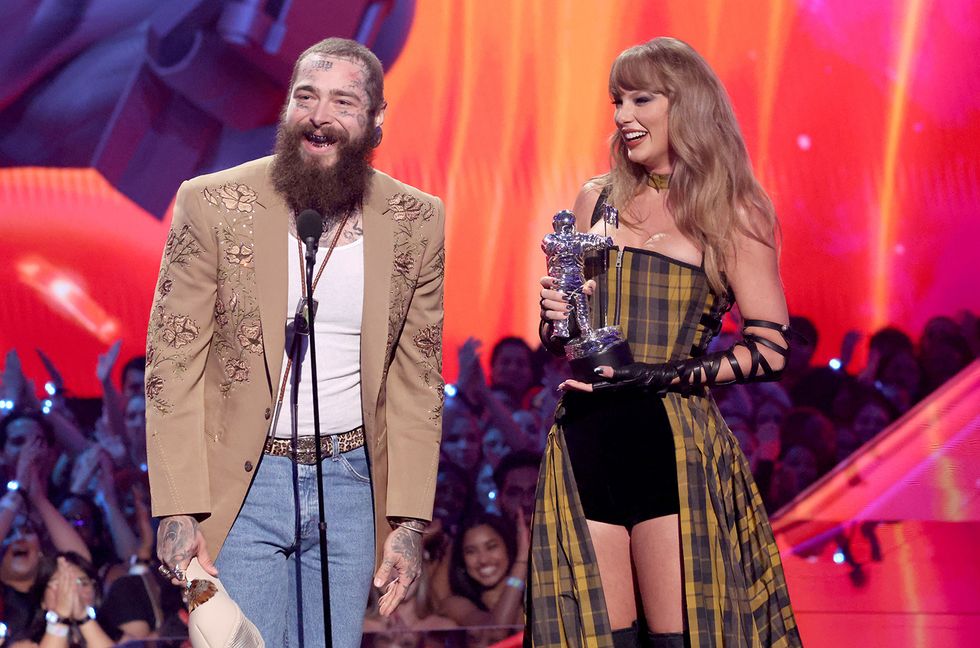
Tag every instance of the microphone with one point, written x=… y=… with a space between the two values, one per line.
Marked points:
x=309 y=227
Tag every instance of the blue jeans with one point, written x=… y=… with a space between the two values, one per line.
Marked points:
x=275 y=577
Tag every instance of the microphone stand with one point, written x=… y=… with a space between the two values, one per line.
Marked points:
x=311 y=248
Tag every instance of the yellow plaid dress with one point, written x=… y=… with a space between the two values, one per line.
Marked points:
x=735 y=592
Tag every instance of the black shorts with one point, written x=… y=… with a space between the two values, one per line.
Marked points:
x=622 y=453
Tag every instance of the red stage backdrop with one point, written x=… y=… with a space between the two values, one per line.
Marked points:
x=862 y=121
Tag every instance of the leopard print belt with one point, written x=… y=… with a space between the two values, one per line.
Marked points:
x=306 y=446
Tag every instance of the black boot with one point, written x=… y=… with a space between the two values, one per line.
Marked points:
x=666 y=640
x=627 y=637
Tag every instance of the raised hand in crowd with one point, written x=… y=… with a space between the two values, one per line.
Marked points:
x=83 y=471
x=14 y=386
x=105 y=495
x=112 y=401
x=112 y=443
x=30 y=464
x=472 y=383
x=144 y=523
x=847 y=347
x=66 y=431
x=475 y=392
x=106 y=362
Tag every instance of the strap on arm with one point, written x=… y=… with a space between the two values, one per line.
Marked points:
x=759 y=369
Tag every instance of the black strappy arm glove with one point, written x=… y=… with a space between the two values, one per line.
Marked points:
x=688 y=372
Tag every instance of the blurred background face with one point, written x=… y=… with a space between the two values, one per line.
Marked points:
x=21 y=552
x=460 y=439
x=511 y=369
x=136 y=417
x=81 y=516
x=132 y=384
x=770 y=413
x=20 y=434
x=517 y=492
x=871 y=419
x=798 y=468
x=135 y=421
x=495 y=447
x=901 y=378
x=451 y=499
x=485 y=555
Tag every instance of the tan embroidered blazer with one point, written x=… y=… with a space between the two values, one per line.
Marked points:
x=217 y=334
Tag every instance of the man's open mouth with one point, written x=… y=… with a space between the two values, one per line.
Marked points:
x=320 y=140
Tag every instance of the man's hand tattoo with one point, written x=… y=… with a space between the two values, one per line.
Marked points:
x=177 y=540
x=406 y=547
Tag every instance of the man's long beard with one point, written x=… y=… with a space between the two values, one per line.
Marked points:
x=304 y=184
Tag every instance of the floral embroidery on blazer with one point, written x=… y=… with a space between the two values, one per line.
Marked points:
x=237 y=337
x=169 y=331
x=409 y=214
x=236 y=307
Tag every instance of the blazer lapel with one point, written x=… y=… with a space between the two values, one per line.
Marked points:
x=271 y=227
x=378 y=259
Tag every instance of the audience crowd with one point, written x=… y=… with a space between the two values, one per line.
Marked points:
x=79 y=541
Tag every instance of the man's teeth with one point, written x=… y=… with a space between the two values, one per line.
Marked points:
x=318 y=140
x=634 y=135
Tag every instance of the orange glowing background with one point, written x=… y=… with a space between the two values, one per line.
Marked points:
x=862 y=122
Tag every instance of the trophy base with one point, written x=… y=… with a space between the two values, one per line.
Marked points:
x=616 y=355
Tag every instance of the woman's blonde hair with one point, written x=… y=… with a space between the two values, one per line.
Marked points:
x=713 y=193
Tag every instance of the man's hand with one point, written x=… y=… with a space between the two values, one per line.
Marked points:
x=178 y=540
x=402 y=554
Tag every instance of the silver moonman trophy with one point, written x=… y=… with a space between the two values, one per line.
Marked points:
x=566 y=250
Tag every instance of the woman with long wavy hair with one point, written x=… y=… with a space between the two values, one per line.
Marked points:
x=648 y=529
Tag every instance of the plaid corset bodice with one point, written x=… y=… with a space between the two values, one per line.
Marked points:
x=666 y=307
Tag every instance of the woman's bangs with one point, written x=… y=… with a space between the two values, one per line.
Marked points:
x=635 y=70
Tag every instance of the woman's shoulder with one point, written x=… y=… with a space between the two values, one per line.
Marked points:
x=593 y=188
x=585 y=202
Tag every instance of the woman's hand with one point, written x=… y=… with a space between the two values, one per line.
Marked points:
x=655 y=377
x=28 y=465
x=555 y=304
x=106 y=362
x=84 y=469
x=577 y=385
x=109 y=441
x=64 y=590
x=105 y=479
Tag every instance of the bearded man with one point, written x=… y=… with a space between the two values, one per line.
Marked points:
x=225 y=476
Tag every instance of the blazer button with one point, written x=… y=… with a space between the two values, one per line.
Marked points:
x=248 y=466
x=268 y=413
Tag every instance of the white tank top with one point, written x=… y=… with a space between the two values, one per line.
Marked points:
x=340 y=297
